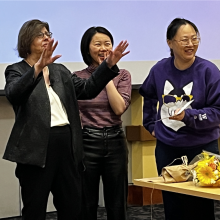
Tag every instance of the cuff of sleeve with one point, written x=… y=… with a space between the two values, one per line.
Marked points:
x=35 y=79
x=115 y=69
x=102 y=79
x=151 y=128
x=186 y=116
x=189 y=117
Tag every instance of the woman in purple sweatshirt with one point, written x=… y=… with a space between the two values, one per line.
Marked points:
x=173 y=82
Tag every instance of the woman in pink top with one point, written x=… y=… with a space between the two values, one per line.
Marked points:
x=103 y=137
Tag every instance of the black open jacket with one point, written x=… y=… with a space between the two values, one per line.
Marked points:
x=29 y=137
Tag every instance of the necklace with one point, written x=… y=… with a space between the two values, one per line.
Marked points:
x=28 y=63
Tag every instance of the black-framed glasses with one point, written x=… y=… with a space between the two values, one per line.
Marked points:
x=41 y=34
x=173 y=98
x=185 y=42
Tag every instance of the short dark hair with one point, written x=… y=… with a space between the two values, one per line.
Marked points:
x=86 y=39
x=27 y=33
x=174 y=27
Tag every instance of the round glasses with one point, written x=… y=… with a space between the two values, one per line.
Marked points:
x=41 y=34
x=186 y=41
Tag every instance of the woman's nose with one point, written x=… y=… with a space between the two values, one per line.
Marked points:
x=103 y=47
x=46 y=37
x=190 y=43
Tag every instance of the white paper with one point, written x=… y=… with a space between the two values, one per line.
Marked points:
x=179 y=112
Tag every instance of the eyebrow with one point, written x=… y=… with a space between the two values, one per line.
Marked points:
x=100 y=41
x=195 y=35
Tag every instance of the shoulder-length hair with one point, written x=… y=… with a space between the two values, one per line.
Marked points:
x=86 y=39
x=29 y=30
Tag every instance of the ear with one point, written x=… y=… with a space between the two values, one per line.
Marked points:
x=188 y=88
x=168 y=87
x=170 y=44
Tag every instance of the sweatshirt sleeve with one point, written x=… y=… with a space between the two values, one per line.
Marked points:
x=148 y=91
x=209 y=115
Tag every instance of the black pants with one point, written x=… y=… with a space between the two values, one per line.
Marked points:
x=179 y=206
x=60 y=176
x=105 y=155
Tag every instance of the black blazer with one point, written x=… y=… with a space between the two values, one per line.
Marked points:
x=29 y=137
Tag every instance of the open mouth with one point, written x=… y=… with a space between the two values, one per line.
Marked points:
x=101 y=56
x=189 y=51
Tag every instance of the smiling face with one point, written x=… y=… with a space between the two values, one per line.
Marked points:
x=98 y=47
x=39 y=43
x=184 y=55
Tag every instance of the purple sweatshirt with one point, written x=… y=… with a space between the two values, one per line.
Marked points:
x=173 y=88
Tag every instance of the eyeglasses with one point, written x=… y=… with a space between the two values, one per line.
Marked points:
x=41 y=34
x=173 y=98
x=185 y=42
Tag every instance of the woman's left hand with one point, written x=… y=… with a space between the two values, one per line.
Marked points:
x=115 y=55
x=46 y=57
x=178 y=117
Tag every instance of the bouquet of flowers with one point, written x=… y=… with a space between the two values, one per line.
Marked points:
x=207 y=171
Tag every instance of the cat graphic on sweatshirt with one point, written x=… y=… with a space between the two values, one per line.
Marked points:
x=174 y=98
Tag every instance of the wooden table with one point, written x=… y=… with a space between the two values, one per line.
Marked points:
x=187 y=188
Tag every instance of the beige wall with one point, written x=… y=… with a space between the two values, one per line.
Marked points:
x=9 y=187
x=138 y=69
x=126 y=118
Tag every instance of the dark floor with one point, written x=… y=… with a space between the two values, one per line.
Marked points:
x=135 y=213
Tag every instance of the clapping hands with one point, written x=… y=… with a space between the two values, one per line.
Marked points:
x=115 y=55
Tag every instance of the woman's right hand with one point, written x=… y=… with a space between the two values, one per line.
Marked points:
x=46 y=57
x=153 y=133
x=115 y=55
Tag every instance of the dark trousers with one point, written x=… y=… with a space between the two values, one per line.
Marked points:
x=60 y=176
x=106 y=156
x=180 y=206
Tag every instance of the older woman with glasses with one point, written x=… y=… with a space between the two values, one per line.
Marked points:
x=183 y=80
x=46 y=140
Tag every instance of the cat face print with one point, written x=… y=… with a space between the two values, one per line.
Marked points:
x=174 y=98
